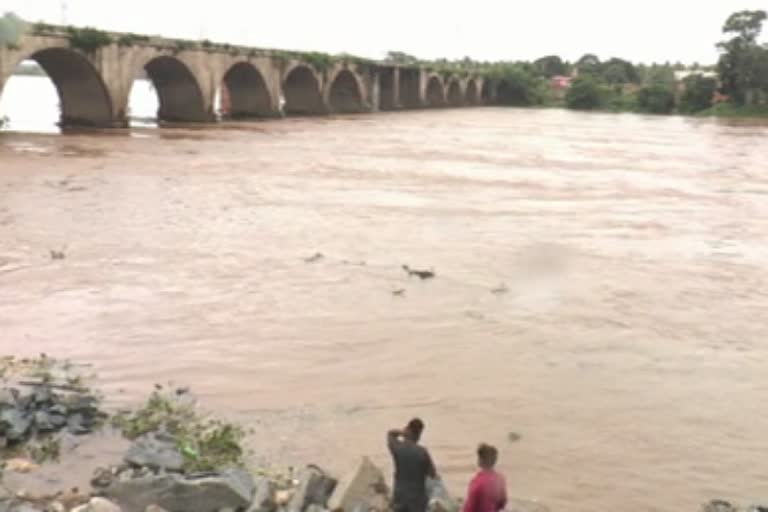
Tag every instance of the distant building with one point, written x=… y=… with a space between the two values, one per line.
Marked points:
x=682 y=75
x=561 y=82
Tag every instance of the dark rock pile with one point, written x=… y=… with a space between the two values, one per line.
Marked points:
x=42 y=408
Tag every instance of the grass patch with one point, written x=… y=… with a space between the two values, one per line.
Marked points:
x=206 y=444
x=734 y=111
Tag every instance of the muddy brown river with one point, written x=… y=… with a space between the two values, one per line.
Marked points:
x=601 y=289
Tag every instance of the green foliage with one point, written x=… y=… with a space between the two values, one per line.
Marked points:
x=400 y=58
x=550 y=66
x=743 y=64
x=732 y=110
x=41 y=28
x=181 y=45
x=207 y=44
x=318 y=60
x=516 y=84
x=656 y=99
x=206 y=444
x=11 y=29
x=584 y=94
x=615 y=99
x=698 y=94
x=87 y=39
x=619 y=71
x=131 y=39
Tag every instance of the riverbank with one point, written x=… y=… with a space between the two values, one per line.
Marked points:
x=178 y=459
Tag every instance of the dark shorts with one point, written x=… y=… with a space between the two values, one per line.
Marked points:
x=410 y=504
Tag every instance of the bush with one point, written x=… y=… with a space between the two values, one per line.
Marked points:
x=88 y=39
x=517 y=86
x=698 y=94
x=584 y=94
x=656 y=99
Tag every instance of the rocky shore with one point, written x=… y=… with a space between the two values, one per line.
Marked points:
x=178 y=460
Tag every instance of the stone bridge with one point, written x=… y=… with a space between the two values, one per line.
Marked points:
x=94 y=85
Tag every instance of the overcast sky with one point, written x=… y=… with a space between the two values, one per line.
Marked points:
x=650 y=30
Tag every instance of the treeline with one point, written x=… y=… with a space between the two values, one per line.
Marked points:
x=739 y=81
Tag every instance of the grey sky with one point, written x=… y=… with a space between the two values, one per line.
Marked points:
x=653 y=30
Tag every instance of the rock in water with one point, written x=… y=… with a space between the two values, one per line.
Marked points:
x=315 y=487
x=156 y=451
x=440 y=500
x=718 y=506
x=98 y=505
x=176 y=493
x=515 y=505
x=264 y=497
x=362 y=489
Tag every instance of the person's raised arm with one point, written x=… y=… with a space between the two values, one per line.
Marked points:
x=392 y=438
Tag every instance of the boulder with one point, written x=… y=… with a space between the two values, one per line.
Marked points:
x=362 y=489
x=7 y=398
x=264 y=497
x=315 y=487
x=718 y=506
x=14 y=424
x=177 y=493
x=758 y=508
x=517 y=505
x=157 y=451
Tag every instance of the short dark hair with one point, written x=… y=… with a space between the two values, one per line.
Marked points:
x=487 y=455
x=416 y=427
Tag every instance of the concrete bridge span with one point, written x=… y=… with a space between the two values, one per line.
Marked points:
x=94 y=84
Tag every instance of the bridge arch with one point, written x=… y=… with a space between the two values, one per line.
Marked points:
x=247 y=91
x=472 y=94
x=83 y=96
x=435 y=92
x=455 y=95
x=346 y=92
x=301 y=89
x=487 y=93
x=178 y=91
x=408 y=85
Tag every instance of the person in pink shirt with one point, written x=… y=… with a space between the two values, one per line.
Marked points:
x=487 y=490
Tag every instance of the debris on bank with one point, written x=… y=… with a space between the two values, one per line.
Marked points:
x=421 y=274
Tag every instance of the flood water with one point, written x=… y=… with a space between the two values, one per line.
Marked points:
x=626 y=342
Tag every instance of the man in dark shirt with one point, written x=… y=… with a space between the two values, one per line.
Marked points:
x=412 y=467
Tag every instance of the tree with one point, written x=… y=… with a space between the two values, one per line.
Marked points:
x=747 y=24
x=584 y=94
x=588 y=64
x=698 y=94
x=656 y=99
x=550 y=66
x=619 y=71
x=517 y=85
x=741 y=66
x=11 y=28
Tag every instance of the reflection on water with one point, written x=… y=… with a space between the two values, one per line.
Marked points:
x=600 y=289
x=31 y=104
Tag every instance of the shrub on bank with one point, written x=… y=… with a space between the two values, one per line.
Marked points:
x=698 y=94
x=656 y=99
x=584 y=94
